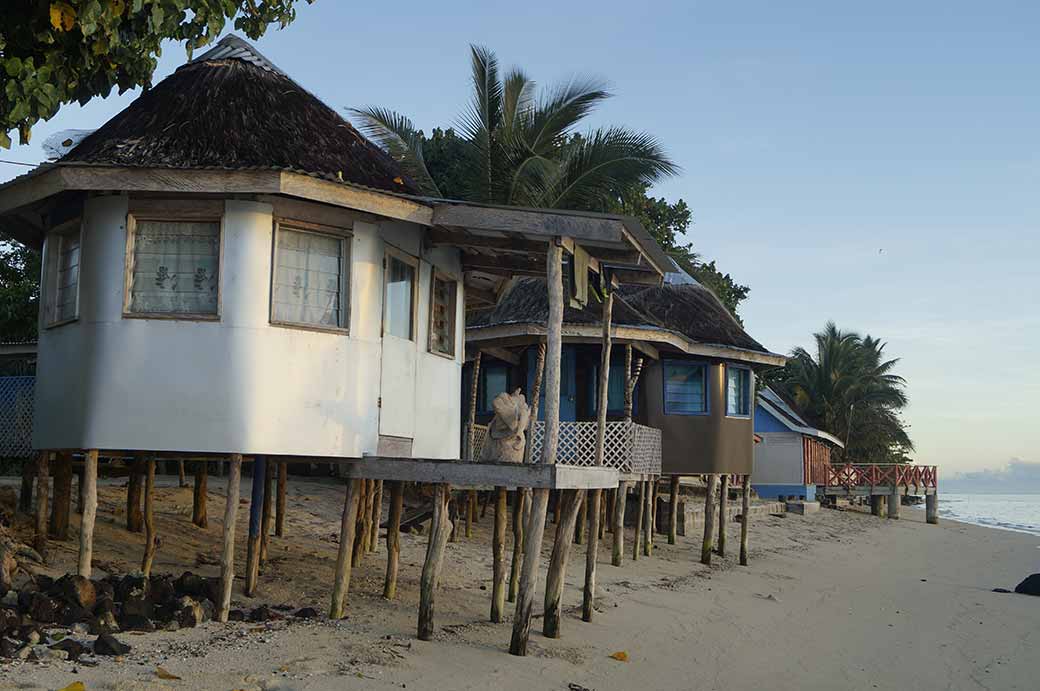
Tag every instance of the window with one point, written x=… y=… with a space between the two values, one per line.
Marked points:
x=63 y=259
x=442 y=315
x=495 y=381
x=309 y=285
x=615 y=388
x=400 y=294
x=738 y=391
x=174 y=268
x=685 y=388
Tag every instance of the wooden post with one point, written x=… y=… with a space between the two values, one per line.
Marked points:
x=894 y=502
x=723 y=510
x=377 y=516
x=610 y=497
x=931 y=508
x=227 y=553
x=540 y=497
x=583 y=519
x=439 y=527
x=472 y=420
x=361 y=531
x=469 y=509
x=199 y=515
x=595 y=500
x=393 y=539
x=673 y=510
x=520 y=504
x=25 y=495
x=637 y=539
x=536 y=394
x=86 y=530
x=62 y=505
x=134 y=516
x=628 y=381
x=557 y=573
x=745 y=517
x=43 y=476
x=347 y=529
x=648 y=518
x=80 y=491
x=498 y=557
x=182 y=479
x=256 y=504
x=709 y=520
x=602 y=515
x=875 y=505
x=151 y=539
x=283 y=482
x=618 y=546
x=266 y=516
x=453 y=517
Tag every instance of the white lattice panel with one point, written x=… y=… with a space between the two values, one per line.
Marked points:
x=16 y=416
x=628 y=447
x=479 y=437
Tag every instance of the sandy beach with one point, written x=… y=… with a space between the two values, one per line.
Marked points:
x=838 y=599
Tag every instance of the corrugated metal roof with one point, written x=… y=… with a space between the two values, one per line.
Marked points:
x=787 y=415
x=232 y=47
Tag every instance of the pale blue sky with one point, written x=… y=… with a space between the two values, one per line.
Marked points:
x=876 y=164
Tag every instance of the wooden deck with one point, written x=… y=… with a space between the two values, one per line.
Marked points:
x=465 y=474
x=869 y=479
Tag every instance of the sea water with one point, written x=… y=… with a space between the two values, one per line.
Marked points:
x=1018 y=512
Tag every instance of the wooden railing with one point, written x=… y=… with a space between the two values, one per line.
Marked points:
x=876 y=474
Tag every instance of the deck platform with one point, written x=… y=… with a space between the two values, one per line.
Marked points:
x=466 y=474
x=876 y=479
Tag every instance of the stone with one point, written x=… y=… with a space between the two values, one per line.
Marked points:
x=105 y=603
x=43 y=582
x=137 y=603
x=161 y=590
x=306 y=613
x=9 y=647
x=44 y=654
x=72 y=647
x=71 y=614
x=31 y=634
x=236 y=615
x=126 y=585
x=77 y=590
x=25 y=599
x=263 y=613
x=44 y=608
x=505 y=437
x=10 y=599
x=208 y=609
x=9 y=620
x=1030 y=586
x=104 y=623
x=189 y=613
x=191 y=584
x=107 y=644
x=135 y=622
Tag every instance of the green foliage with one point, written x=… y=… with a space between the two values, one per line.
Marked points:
x=19 y=292
x=59 y=52
x=518 y=148
x=848 y=389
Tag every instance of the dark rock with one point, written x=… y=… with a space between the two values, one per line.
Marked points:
x=105 y=588
x=263 y=613
x=190 y=613
x=77 y=590
x=165 y=613
x=1001 y=590
x=71 y=646
x=190 y=584
x=105 y=603
x=104 y=623
x=161 y=590
x=30 y=633
x=9 y=647
x=1030 y=586
x=306 y=613
x=208 y=609
x=43 y=583
x=213 y=591
x=107 y=644
x=25 y=599
x=136 y=622
x=9 y=620
x=236 y=615
x=137 y=603
x=44 y=608
x=126 y=585
x=71 y=614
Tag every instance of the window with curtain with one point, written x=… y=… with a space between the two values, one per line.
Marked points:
x=685 y=388
x=400 y=291
x=442 y=315
x=738 y=391
x=310 y=285
x=63 y=270
x=175 y=268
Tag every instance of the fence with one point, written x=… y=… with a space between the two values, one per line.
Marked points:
x=852 y=475
x=16 y=416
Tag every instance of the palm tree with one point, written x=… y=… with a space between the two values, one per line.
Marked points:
x=849 y=389
x=523 y=149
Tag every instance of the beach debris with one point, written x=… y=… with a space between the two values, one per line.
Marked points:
x=107 y=644
x=577 y=687
x=72 y=648
x=163 y=674
x=74 y=686
x=770 y=597
x=1030 y=586
x=620 y=656
x=1002 y=590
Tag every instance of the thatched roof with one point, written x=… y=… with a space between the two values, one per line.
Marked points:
x=231 y=108
x=690 y=310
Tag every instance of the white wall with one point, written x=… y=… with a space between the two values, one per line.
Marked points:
x=238 y=384
x=778 y=459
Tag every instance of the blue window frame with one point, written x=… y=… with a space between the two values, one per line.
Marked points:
x=494 y=379
x=738 y=391
x=685 y=388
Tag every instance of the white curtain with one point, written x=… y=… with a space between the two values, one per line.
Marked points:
x=308 y=279
x=400 y=280
x=176 y=267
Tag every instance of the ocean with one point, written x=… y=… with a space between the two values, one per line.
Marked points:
x=1017 y=512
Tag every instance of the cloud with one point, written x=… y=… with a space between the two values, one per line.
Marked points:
x=1019 y=477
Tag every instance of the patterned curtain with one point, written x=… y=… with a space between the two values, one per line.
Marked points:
x=308 y=279
x=175 y=267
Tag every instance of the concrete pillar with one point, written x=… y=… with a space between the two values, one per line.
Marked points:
x=875 y=505
x=931 y=508
x=894 y=503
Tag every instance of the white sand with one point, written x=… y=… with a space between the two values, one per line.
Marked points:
x=836 y=600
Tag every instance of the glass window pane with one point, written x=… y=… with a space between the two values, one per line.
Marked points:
x=738 y=391
x=400 y=280
x=684 y=389
x=66 y=287
x=308 y=282
x=175 y=267
x=496 y=381
x=442 y=316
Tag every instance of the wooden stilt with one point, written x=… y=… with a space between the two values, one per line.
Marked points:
x=709 y=520
x=151 y=538
x=557 y=573
x=470 y=509
x=875 y=505
x=673 y=510
x=134 y=515
x=534 y=402
x=498 y=557
x=199 y=514
x=745 y=517
x=393 y=539
x=361 y=531
x=648 y=518
x=81 y=492
x=591 y=554
x=227 y=553
x=439 y=527
x=474 y=497
x=268 y=511
x=25 y=495
x=256 y=506
x=62 y=505
x=557 y=503
x=611 y=498
x=617 y=553
x=637 y=539
x=377 y=517
x=583 y=519
x=601 y=533
x=347 y=529
x=931 y=508
x=594 y=499
x=43 y=477
x=540 y=497
x=283 y=482
x=487 y=499
x=520 y=503
x=86 y=530
x=894 y=502
x=723 y=511
x=182 y=478
x=453 y=517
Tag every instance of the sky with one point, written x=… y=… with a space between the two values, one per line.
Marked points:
x=876 y=164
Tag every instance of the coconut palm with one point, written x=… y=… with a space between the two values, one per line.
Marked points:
x=849 y=389
x=523 y=148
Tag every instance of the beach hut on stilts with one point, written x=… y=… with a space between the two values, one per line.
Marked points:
x=689 y=392
x=233 y=274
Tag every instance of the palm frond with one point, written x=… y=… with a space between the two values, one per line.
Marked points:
x=481 y=120
x=397 y=135
x=561 y=109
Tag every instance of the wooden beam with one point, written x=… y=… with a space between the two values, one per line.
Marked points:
x=502 y=354
x=530 y=222
x=480 y=475
x=151 y=538
x=723 y=511
x=596 y=496
x=515 y=265
x=557 y=572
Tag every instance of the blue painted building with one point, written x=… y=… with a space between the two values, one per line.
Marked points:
x=791 y=452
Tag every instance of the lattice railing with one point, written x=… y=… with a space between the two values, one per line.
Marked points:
x=876 y=474
x=479 y=437
x=16 y=416
x=628 y=447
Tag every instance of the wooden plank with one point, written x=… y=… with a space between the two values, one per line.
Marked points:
x=351 y=197
x=479 y=475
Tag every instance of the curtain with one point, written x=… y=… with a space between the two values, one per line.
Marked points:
x=308 y=280
x=684 y=389
x=738 y=382
x=397 y=317
x=175 y=267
